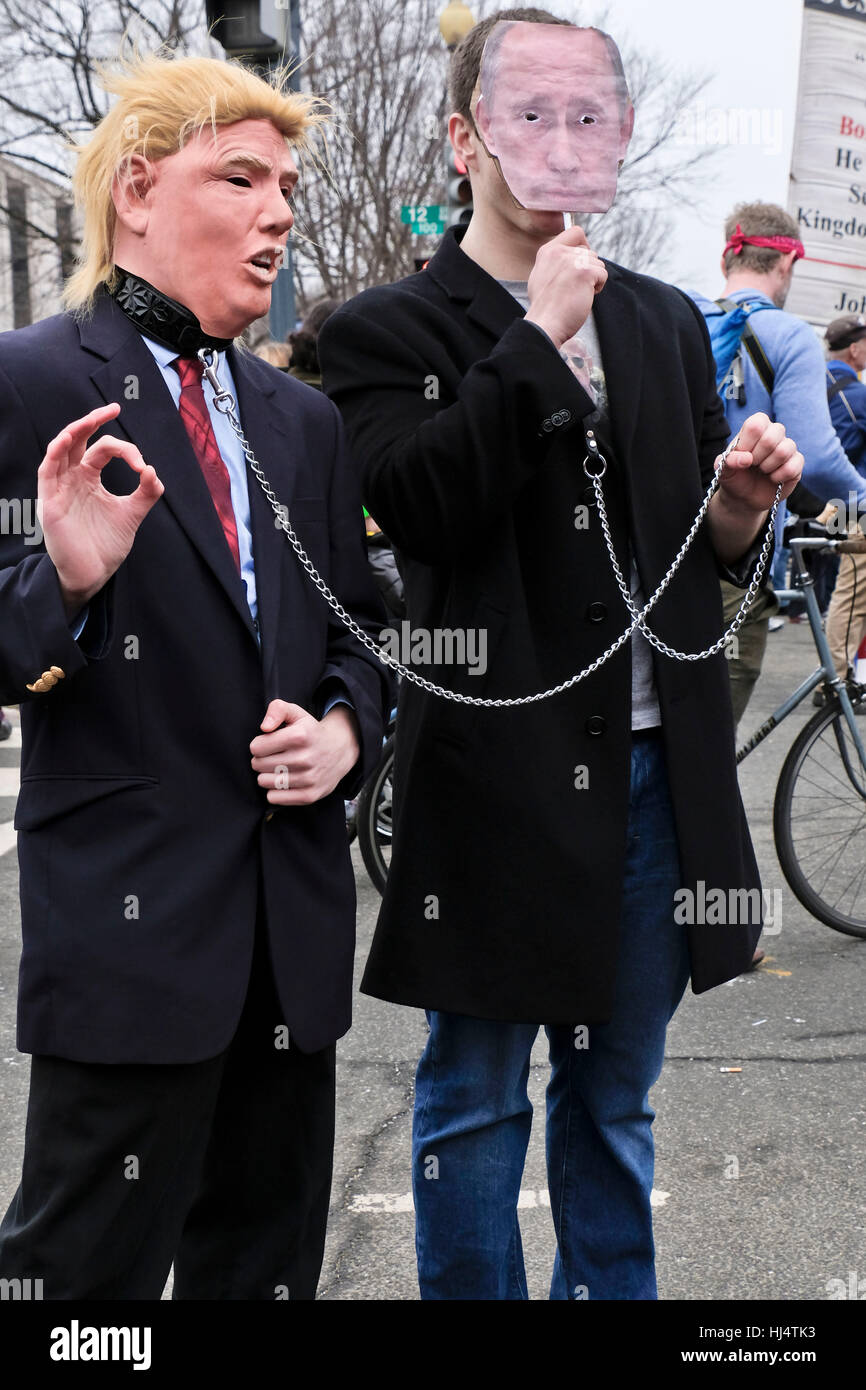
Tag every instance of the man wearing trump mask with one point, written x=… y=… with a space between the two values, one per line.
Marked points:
x=191 y=720
x=539 y=847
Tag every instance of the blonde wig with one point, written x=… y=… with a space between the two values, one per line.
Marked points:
x=162 y=102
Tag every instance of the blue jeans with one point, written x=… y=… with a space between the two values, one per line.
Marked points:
x=473 y=1116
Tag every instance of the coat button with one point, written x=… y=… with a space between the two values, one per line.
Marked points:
x=596 y=612
x=596 y=724
x=547 y=426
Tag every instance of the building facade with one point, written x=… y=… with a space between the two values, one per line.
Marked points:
x=38 y=239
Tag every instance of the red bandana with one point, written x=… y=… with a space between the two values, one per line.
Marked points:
x=778 y=243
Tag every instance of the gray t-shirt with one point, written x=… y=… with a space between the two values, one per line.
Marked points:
x=583 y=355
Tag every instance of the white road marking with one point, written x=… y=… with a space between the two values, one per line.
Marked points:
x=10 y=781
x=10 y=785
x=383 y=1202
x=387 y=1203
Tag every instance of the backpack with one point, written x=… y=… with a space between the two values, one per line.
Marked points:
x=730 y=332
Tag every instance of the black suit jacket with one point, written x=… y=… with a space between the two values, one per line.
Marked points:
x=504 y=890
x=142 y=830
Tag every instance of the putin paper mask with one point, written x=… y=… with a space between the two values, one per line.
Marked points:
x=553 y=111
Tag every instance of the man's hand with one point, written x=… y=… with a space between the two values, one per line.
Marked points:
x=763 y=458
x=88 y=531
x=300 y=759
x=565 y=279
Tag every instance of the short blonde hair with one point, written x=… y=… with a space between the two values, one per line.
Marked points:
x=162 y=102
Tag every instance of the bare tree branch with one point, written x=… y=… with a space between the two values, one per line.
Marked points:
x=384 y=68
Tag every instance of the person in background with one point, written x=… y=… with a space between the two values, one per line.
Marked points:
x=762 y=248
x=305 y=366
x=5 y=727
x=804 y=506
x=846 y=615
x=278 y=354
x=386 y=571
x=304 y=343
x=846 y=348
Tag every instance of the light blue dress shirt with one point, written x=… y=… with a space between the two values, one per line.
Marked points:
x=233 y=457
x=234 y=460
x=229 y=447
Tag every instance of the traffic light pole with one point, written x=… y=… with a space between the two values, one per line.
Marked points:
x=281 y=316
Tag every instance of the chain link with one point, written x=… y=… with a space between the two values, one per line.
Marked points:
x=639 y=616
x=225 y=403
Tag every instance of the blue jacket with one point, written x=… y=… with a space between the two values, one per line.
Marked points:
x=848 y=413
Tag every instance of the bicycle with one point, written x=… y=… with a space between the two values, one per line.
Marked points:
x=819 y=809
x=373 y=817
x=821 y=785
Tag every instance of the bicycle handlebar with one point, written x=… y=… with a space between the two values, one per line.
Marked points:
x=850 y=545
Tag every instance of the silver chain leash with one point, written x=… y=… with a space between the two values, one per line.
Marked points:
x=751 y=592
x=225 y=403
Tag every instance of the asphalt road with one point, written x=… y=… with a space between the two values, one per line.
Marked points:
x=759 y=1190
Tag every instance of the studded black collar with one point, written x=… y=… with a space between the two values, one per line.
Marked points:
x=159 y=317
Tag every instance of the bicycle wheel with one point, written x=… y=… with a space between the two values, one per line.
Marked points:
x=819 y=822
x=375 y=818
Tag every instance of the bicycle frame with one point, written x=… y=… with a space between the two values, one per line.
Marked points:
x=804 y=587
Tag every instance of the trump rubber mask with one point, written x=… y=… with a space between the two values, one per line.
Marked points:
x=554 y=113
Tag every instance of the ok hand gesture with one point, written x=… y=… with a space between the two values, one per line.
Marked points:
x=88 y=531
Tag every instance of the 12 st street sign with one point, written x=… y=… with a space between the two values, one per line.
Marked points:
x=425 y=220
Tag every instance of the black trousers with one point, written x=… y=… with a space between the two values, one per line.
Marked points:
x=222 y=1166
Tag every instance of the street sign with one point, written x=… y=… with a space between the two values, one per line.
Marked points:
x=424 y=220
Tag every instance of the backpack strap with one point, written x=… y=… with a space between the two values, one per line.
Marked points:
x=752 y=344
x=840 y=384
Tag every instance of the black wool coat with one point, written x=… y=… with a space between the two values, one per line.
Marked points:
x=504 y=892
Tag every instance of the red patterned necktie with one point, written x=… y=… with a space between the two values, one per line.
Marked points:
x=196 y=418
